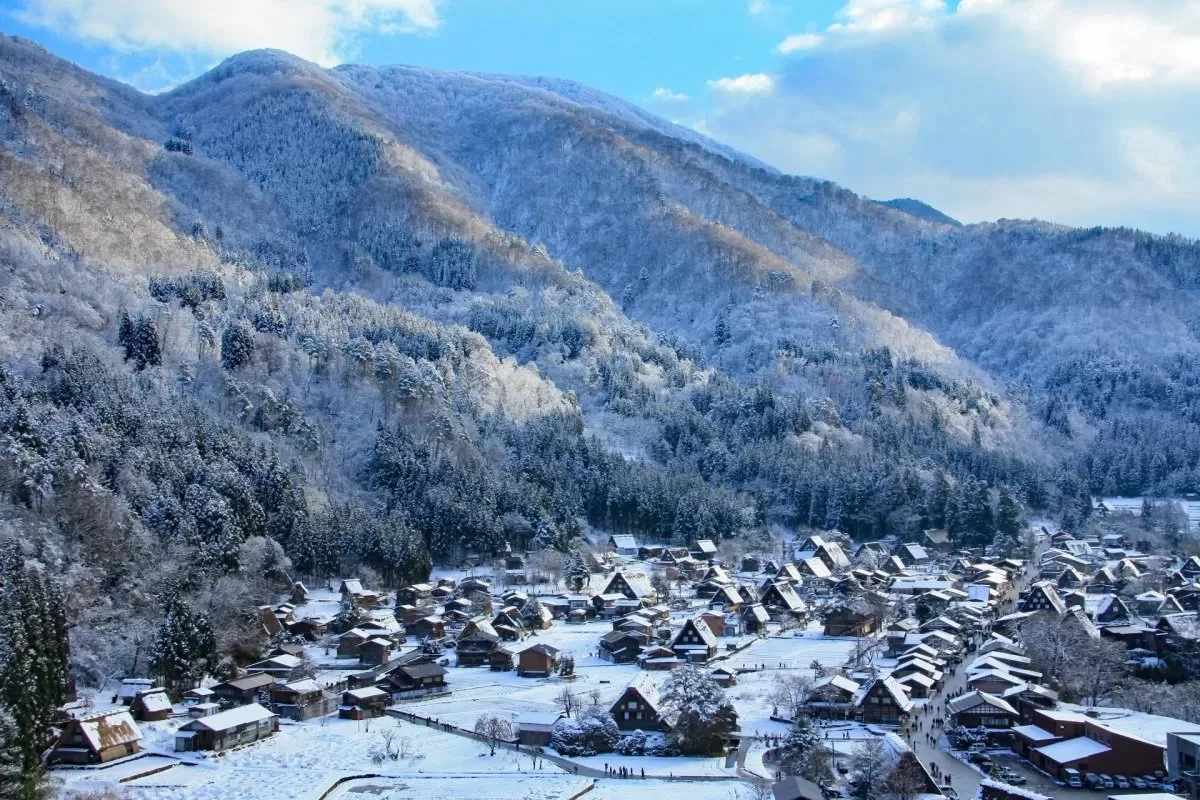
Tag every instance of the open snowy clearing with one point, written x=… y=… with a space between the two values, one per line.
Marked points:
x=793 y=652
x=468 y=787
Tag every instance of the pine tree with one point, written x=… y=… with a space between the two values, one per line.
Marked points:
x=576 y=571
x=349 y=616
x=237 y=346
x=33 y=667
x=184 y=648
x=704 y=716
x=803 y=752
x=12 y=783
x=1008 y=521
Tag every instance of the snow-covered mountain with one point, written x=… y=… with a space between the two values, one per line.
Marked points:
x=457 y=257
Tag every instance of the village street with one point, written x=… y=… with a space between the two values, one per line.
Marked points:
x=963 y=777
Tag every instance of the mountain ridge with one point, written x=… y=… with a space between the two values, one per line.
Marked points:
x=580 y=280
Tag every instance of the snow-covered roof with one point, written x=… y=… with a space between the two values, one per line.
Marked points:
x=1033 y=733
x=132 y=687
x=365 y=693
x=837 y=681
x=817 y=567
x=235 y=717
x=303 y=687
x=537 y=719
x=994 y=675
x=973 y=699
x=155 y=700
x=919 y=678
x=110 y=730
x=1072 y=750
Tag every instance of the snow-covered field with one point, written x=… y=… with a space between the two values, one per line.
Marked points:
x=468 y=787
x=793 y=652
x=304 y=760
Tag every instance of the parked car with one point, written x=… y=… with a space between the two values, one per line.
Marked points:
x=980 y=759
x=1093 y=781
x=949 y=791
x=1106 y=781
x=1139 y=783
x=1074 y=780
x=1012 y=778
x=1121 y=781
x=1152 y=781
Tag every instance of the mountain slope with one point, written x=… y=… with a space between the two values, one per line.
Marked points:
x=349 y=321
x=447 y=311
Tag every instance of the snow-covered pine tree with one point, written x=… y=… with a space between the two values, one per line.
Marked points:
x=803 y=751
x=704 y=716
x=12 y=784
x=576 y=571
x=184 y=649
x=33 y=664
x=349 y=616
x=237 y=346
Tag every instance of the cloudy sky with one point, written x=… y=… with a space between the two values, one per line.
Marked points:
x=1076 y=111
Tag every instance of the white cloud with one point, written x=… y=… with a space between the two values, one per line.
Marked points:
x=758 y=8
x=750 y=84
x=1078 y=111
x=799 y=41
x=664 y=95
x=319 y=30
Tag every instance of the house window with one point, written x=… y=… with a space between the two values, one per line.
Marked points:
x=626 y=715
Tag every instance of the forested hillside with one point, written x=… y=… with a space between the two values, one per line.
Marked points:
x=287 y=319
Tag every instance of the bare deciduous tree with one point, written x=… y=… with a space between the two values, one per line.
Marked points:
x=567 y=701
x=791 y=693
x=907 y=778
x=493 y=729
x=868 y=765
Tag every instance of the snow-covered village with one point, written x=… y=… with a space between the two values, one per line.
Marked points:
x=599 y=400
x=827 y=669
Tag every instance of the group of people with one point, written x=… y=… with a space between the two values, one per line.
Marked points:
x=621 y=772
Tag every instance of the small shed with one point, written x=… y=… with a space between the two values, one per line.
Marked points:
x=369 y=701
x=201 y=694
x=198 y=710
x=536 y=728
x=131 y=688
x=151 y=706
x=538 y=661
x=500 y=659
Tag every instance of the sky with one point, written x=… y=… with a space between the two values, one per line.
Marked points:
x=1075 y=111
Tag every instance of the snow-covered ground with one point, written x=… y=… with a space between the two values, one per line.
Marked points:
x=304 y=760
x=661 y=767
x=307 y=760
x=467 y=787
x=794 y=650
x=1134 y=506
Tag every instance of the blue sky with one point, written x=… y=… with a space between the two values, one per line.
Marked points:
x=1076 y=111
